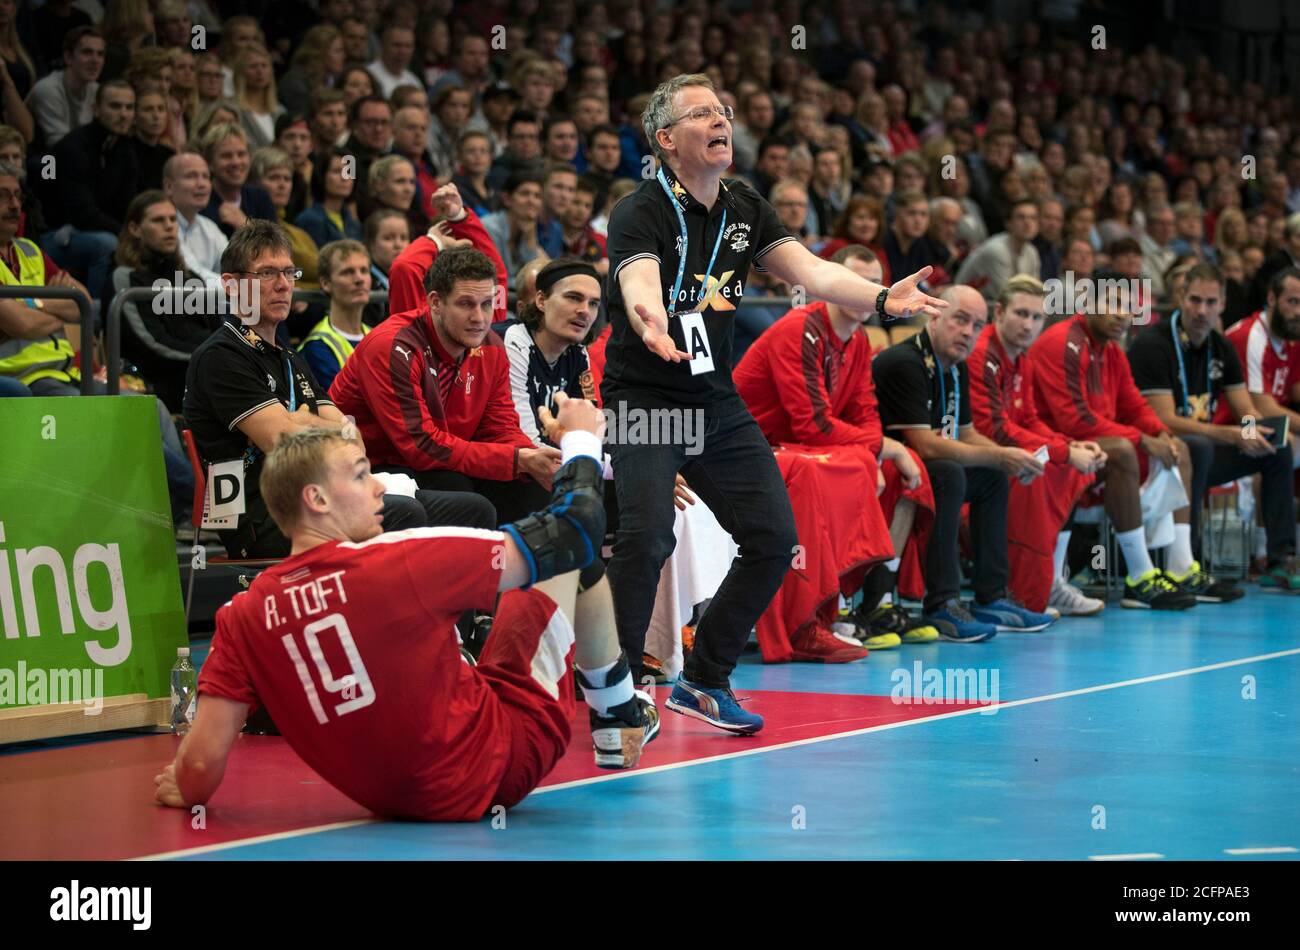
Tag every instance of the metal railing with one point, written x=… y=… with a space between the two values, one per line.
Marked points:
x=20 y=291
x=113 y=321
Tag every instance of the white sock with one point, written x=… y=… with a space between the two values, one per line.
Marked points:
x=611 y=695
x=1261 y=541
x=1134 y=545
x=1180 y=552
x=1058 y=558
x=892 y=565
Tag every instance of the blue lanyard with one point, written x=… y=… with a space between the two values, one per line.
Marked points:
x=293 y=394
x=681 y=261
x=1182 y=370
x=943 y=394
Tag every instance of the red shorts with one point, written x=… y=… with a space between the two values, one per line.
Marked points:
x=527 y=663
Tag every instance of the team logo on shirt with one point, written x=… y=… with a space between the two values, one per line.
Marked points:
x=469 y=381
x=1216 y=369
x=737 y=235
x=404 y=351
x=716 y=292
x=270 y=382
x=587 y=384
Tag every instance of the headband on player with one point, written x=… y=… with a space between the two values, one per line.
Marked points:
x=550 y=275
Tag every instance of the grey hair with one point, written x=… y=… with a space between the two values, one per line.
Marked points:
x=937 y=203
x=267 y=158
x=659 y=110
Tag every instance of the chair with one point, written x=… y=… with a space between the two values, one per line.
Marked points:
x=903 y=332
x=1113 y=584
x=1212 y=537
x=878 y=337
x=252 y=565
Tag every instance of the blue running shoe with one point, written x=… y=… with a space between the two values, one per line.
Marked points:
x=717 y=707
x=957 y=624
x=1011 y=616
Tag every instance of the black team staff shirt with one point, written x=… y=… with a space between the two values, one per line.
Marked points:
x=645 y=225
x=914 y=392
x=1210 y=369
x=231 y=375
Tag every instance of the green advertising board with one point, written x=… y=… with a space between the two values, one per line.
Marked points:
x=89 y=585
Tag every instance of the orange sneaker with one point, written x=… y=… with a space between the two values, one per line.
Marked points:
x=651 y=666
x=688 y=640
x=816 y=644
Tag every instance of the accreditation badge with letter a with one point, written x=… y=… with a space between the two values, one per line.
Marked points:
x=696 y=342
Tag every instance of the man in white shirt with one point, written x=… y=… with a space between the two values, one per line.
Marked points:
x=188 y=185
x=992 y=264
x=65 y=99
x=392 y=68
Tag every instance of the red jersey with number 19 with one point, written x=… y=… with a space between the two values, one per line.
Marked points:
x=352 y=649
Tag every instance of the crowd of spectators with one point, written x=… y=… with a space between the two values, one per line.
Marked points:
x=938 y=139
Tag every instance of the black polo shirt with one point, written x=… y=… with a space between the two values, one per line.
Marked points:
x=232 y=374
x=645 y=225
x=1211 y=369
x=913 y=393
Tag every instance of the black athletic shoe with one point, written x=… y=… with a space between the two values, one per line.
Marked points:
x=1205 y=588
x=1155 y=590
x=619 y=737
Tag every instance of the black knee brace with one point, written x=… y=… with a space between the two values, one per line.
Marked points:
x=567 y=534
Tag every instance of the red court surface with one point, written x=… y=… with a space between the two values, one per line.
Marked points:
x=95 y=801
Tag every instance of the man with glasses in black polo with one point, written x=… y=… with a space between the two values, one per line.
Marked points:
x=243 y=391
x=680 y=248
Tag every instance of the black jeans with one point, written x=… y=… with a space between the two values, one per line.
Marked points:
x=1214 y=463
x=987 y=490
x=735 y=474
x=509 y=501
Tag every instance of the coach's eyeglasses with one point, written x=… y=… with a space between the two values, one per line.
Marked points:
x=267 y=275
x=701 y=113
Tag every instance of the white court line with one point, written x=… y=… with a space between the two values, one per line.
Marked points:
x=260 y=839
x=1140 y=856
x=1259 y=850
x=633 y=773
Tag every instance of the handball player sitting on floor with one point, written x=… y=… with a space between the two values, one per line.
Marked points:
x=351 y=645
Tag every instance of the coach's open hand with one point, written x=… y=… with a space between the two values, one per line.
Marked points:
x=904 y=299
x=657 y=339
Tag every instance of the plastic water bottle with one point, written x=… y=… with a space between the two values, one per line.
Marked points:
x=185 y=696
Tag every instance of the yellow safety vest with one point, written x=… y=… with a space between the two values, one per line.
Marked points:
x=338 y=344
x=48 y=357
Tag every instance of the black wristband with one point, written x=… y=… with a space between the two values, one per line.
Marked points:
x=880 y=302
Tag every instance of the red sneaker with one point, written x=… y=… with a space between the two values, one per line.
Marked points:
x=816 y=644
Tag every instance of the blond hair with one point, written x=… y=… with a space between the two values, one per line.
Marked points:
x=298 y=460
x=1020 y=284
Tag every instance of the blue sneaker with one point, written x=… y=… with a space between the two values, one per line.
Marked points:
x=717 y=707
x=956 y=624
x=1011 y=616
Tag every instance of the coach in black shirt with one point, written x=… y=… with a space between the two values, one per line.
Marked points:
x=923 y=394
x=242 y=392
x=680 y=248
x=1192 y=379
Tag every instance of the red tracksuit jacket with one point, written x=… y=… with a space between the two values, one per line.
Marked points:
x=406 y=276
x=1085 y=389
x=804 y=385
x=1002 y=402
x=390 y=385
x=1004 y=408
